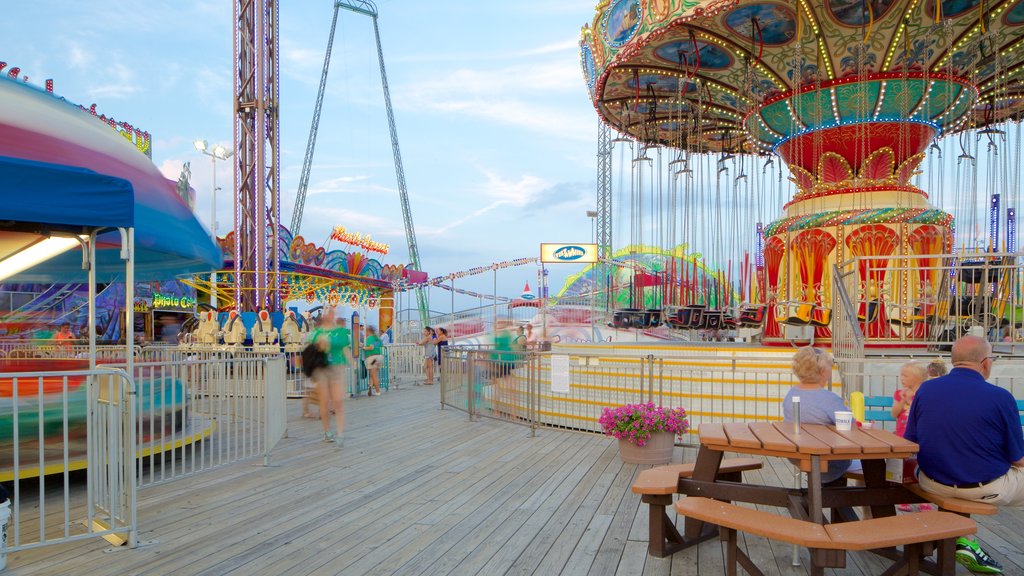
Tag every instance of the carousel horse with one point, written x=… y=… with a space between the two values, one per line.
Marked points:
x=264 y=335
x=234 y=333
x=292 y=336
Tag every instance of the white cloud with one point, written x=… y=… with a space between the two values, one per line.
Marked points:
x=79 y=57
x=501 y=192
x=121 y=83
x=519 y=95
x=341 y=184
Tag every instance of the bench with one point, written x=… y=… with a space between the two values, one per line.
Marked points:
x=912 y=531
x=657 y=486
x=957 y=505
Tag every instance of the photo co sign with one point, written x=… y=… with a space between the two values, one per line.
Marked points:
x=568 y=253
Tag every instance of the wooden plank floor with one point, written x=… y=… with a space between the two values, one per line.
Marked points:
x=420 y=490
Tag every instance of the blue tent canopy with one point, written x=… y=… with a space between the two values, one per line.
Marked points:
x=169 y=241
x=63 y=197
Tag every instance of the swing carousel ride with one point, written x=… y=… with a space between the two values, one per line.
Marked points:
x=861 y=100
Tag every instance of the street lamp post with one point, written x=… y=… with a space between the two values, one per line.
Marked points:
x=217 y=152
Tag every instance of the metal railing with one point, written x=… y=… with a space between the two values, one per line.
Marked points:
x=48 y=349
x=59 y=422
x=934 y=299
x=200 y=413
x=571 y=390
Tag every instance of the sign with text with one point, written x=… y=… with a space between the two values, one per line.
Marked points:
x=560 y=373
x=568 y=253
x=165 y=302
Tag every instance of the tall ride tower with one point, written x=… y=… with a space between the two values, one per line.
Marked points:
x=257 y=155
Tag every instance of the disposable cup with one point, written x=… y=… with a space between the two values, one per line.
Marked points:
x=844 y=420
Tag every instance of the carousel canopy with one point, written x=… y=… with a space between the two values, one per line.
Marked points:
x=62 y=167
x=744 y=75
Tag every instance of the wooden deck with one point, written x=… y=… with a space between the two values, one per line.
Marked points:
x=420 y=490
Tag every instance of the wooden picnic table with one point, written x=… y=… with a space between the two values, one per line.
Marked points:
x=811 y=447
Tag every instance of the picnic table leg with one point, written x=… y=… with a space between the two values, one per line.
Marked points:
x=874 y=477
x=820 y=558
x=704 y=469
x=945 y=557
x=663 y=538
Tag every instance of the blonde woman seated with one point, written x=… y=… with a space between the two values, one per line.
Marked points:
x=818 y=405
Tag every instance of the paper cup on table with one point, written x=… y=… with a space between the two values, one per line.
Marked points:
x=844 y=421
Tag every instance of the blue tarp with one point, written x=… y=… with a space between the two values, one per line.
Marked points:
x=63 y=196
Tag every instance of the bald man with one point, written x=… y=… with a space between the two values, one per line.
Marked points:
x=972 y=446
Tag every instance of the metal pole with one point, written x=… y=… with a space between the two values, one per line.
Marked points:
x=213 y=227
x=593 y=276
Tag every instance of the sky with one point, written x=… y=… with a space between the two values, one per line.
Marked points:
x=497 y=133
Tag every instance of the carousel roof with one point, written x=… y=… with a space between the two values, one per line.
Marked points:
x=62 y=167
x=746 y=75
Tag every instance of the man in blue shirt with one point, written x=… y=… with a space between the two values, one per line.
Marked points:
x=972 y=446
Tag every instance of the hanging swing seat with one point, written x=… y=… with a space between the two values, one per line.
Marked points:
x=974 y=273
x=872 y=312
x=751 y=316
x=693 y=316
x=636 y=318
x=652 y=318
x=796 y=313
x=712 y=320
x=627 y=318
x=673 y=316
x=908 y=316
x=821 y=316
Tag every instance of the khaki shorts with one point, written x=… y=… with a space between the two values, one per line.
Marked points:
x=373 y=361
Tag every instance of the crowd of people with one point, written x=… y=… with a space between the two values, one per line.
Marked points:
x=967 y=429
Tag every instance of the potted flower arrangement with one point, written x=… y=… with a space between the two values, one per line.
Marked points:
x=646 y=432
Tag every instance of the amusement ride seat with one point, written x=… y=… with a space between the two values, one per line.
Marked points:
x=264 y=335
x=234 y=333
x=291 y=334
x=208 y=332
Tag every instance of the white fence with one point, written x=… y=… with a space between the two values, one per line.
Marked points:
x=200 y=413
x=174 y=418
x=80 y=424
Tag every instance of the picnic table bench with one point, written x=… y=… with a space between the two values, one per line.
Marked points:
x=912 y=531
x=657 y=486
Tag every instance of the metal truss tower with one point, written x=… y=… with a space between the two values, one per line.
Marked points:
x=367 y=8
x=604 y=210
x=257 y=155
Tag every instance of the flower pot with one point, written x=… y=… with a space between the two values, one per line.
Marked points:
x=658 y=450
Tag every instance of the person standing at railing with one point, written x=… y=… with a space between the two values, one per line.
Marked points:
x=332 y=380
x=503 y=358
x=374 y=358
x=429 y=343
x=442 y=341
